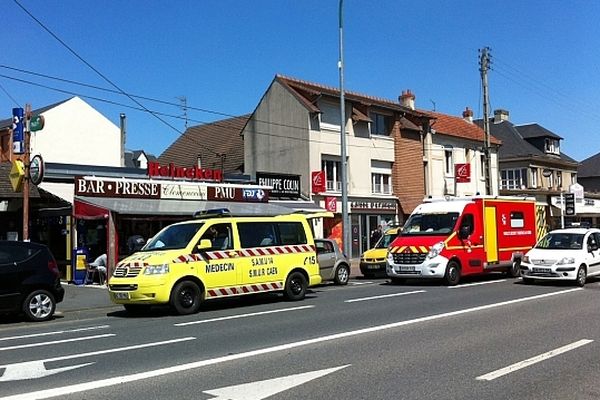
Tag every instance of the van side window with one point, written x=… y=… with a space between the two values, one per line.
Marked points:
x=517 y=219
x=469 y=222
x=291 y=233
x=220 y=236
x=257 y=234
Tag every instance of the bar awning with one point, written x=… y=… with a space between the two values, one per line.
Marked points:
x=179 y=207
x=299 y=206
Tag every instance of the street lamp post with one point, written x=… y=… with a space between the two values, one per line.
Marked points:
x=346 y=238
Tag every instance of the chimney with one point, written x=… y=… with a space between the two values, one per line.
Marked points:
x=468 y=115
x=500 y=116
x=407 y=99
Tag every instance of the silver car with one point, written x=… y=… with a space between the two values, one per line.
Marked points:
x=333 y=264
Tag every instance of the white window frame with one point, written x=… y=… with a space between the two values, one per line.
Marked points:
x=552 y=146
x=512 y=178
x=448 y=161
x=381 y=177
x=334 y=184
x=385 y=117
x=534 y=178
x=326 y=108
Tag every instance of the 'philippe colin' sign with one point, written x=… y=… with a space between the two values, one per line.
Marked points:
x=287 y=186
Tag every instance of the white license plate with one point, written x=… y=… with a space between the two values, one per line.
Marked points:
x=407 y=269
x=535 y=269
x=121 y=295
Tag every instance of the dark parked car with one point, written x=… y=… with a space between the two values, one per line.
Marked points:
x=29 y=280
x=333 y=264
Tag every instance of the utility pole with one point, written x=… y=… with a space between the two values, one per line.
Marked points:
x=484 y=62
x=346 y=237
x=27 y=136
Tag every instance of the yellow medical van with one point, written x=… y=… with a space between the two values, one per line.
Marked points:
x=217 y=255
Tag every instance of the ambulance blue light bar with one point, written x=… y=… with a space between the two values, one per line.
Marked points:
x=212 y=213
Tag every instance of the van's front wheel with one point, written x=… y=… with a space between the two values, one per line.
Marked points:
x=186 y=298
x=452 y=276
x=295 y=287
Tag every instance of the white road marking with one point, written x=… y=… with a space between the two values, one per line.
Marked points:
x=121 y=379
x=243 y=315
x=360 y=283
x=89 y=328
x=476 y=284
x=533 y=360
x=37 y=369
x=24 y=346
x=269 y=387
x=383 y=296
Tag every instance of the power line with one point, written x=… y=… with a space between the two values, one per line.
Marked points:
x=92 y=67
x=9 y=96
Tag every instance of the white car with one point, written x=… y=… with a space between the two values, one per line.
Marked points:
x=566 y=254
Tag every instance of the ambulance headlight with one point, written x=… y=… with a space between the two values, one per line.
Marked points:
x=526 y=259
x=566 y=260
x=156 y=269
x=435 y=250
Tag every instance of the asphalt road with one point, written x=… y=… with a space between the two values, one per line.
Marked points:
x=490 y=338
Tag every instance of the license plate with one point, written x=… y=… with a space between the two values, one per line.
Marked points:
x=407 y=269
x=541 y=269
x=373 y=266
x=121 y=296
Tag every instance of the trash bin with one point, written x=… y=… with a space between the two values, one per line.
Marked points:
x=79 y=263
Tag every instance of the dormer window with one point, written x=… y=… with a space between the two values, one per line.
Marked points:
x=552 y=146
x=381 y=124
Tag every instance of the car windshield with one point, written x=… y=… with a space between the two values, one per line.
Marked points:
x=561 y=241
x=430 y=224
x=385 y=241
x=173 y=237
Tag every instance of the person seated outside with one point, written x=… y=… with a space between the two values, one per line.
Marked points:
x=100 y=265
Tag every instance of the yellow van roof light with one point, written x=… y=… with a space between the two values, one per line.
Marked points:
x=212 y=213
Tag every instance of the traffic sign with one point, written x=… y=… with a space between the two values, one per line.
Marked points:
x=36 y=123
x=16 y=175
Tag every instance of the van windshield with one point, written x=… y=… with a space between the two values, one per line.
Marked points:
x=430 y=224
x=173 y=237
x=385 y=241
x=561 y=241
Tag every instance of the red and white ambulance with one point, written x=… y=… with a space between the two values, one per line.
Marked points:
x=454 y=237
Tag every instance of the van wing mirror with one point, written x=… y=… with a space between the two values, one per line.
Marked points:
x=204 y=244
x=592 y=247
x=464 y=232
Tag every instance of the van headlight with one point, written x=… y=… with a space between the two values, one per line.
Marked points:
x=526 y=259
x=566 y=260
x=435 y=250
x=390 y=257
x=156 y=269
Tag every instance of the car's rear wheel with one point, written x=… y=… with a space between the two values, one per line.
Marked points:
x=39 y=305
x=342 y=274
x=186 y=298
x=581 y=276
x=295 y=287
x=452 y=276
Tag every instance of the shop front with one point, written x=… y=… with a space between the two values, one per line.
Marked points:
x=366 y=215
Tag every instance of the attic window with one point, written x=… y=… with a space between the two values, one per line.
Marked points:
x=552 y=146
x=381 y=124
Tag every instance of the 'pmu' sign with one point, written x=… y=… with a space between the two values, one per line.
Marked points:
x=231 y=193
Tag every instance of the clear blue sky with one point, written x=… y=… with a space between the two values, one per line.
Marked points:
x=222 y=55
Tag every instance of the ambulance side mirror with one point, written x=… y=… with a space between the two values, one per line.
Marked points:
x=204 y=244
x=464 y=232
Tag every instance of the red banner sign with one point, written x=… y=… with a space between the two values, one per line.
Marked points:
x=331 y=204
x=155 y=170
x=318 y=181
x=462 y=173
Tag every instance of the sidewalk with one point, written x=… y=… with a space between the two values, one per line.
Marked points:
x=84 y=297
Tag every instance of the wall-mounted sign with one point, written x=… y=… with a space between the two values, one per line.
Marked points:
x=230 y=193
x=18 y=131
x=17 y=172
x=156 y=170
x=373 y=205
x=462 y=173
x=36 y=169
x=284 y=185
x=331 y=203
x=318 y=181
x=117 y=188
